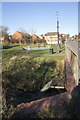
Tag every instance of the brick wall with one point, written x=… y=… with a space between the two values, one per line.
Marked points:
x=17 y=36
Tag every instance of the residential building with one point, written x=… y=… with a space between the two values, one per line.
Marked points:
x=51 y=37
x=20 y=35
x=35 y=37
x=41 y=36
x=77 y=38
x=1 y=39
x=64 y=38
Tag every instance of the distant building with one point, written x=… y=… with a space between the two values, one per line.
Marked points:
x=1 y=40
x=64 y=37
x=41 y=36
x=76 y=38
x=20 y=35
x=51 y=38
x=35 y=37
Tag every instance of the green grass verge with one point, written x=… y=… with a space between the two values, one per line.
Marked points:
x=28 y=73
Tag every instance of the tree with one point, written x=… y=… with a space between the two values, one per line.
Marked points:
x=26 y=37
x=22 y=30
x=63 y=40
x=4 y=33
x=32 y=31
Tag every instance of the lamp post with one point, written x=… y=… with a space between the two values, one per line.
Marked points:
x=58 y=45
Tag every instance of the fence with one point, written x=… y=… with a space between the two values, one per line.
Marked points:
x=73 y=56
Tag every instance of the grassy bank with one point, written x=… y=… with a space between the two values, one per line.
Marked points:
x=22 y=72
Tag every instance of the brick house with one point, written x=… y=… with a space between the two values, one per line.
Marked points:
x=20 y=36
x=35 y=38
x=41 y=36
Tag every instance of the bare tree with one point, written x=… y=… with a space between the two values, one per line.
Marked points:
x=4 y=33
x=32 y=32
x=22 y=30
x=25 y=40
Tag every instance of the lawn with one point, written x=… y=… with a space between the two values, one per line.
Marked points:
x=17 y=46
x=46 y=52
x=23 y=69
x=22 y=72
x=31 y=73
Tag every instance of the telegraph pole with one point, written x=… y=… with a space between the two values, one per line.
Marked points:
x=58 y=45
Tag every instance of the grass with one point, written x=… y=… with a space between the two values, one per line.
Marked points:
x=17 y=46
x=34 y=69
x=29 y=73
x=23 y=73
x=46 y=52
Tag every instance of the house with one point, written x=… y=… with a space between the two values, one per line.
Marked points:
x=77 y=38
x=35 y=37
x=1 y=39
x=64 y=37
x=41 y=36
x=4 y=38
x=20 y=36
x=51 y=37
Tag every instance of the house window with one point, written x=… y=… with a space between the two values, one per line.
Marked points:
x=22 y=36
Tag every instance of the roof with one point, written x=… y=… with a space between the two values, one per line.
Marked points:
x=25 y=34
x=51 y=33
x=35 y=36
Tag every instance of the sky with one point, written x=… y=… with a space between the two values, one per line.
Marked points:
x=0 y=13
x=40 y=17
x=79 y=17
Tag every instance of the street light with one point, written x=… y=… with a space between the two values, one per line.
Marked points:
x=58 y=45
